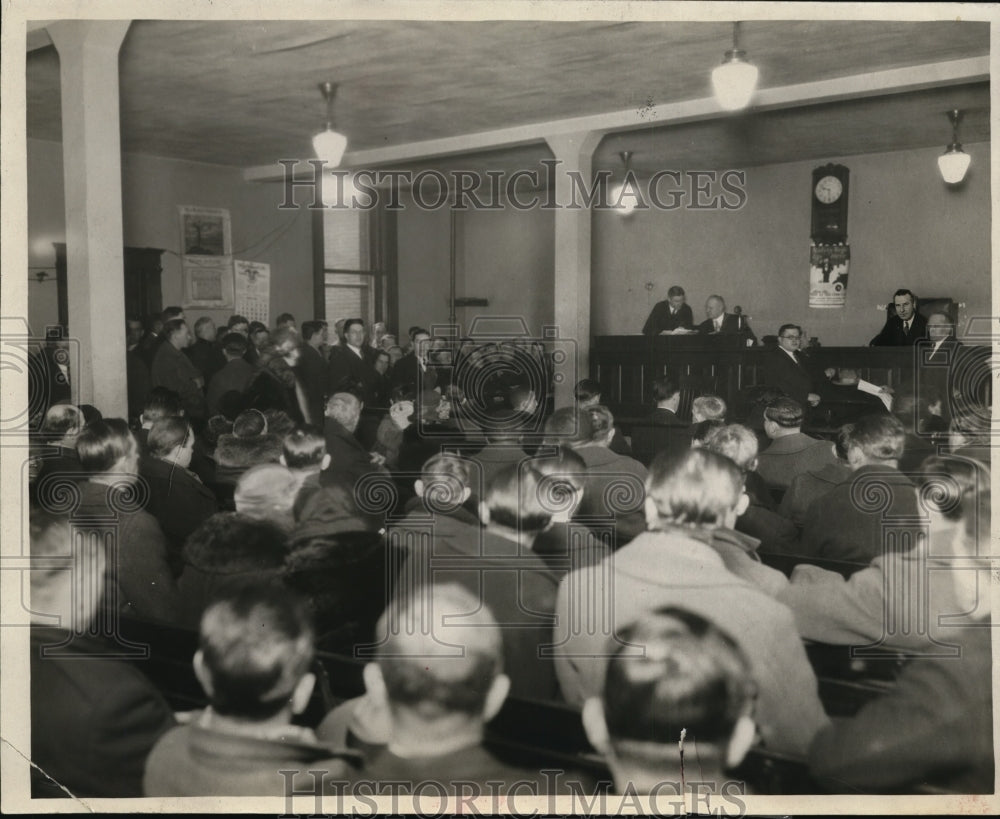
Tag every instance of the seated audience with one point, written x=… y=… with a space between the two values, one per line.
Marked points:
x=934 y=727
x=565 y=544
x=751 y=524
x=854 y=522
x=142 y=582
x=253 y=661
x=57 y=457
x=514 y=581
x=233 y=377
x=673 y=564
x=688 y=698
x=909 y=411
x=227 y=553
x=177 y=498
x=708 y=408
x=250 y=443
x=614 y=482
x=662 y=430
x=303 y=452
x=433 y=688
x=812 y=485
x=503 y=445
x=173 y=370
x=267 y=492
x=701 y=431
x=588 y=393
x=341 y=565
x=791 y=452
x=443 y=497
x=971 y=434
x=94 y=716
x=349 y=461
x=904 y=599
x=843 y=402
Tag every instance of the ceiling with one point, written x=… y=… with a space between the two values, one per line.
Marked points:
x=245 y=93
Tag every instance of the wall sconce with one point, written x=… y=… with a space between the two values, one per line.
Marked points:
x=736 y=79
x=329 y=145
x=954 y=162
x=625 y=195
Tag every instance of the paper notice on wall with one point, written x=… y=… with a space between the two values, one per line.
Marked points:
x=828 y=275
x=205 y=231
x=253 y=290
x=208 y=282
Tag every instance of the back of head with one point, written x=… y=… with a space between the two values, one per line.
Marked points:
x=236 y=320
x=959 y=489
x=255 y=646
x=344 y=408
x=234 y=345
x=166 y=434
x=67 y=576
x=736 y=442
x=787 y=413
x=62 y=421
x=692 y=678
x=693 y=488
x=102 y=444
x=701 y=430
x=880 y=438
x=171 y=313
x=267 y=491
x=587 y=391
x=250 y=424
x=568 y=427
x=562 y=474
x=514 y=500
x=446 y=481
x=909 y=410
x=303 y=447
x=162 y=403
x=708 y=408
x=664 y=388
x=173 y=327
x=434 y=671
x=311 y=328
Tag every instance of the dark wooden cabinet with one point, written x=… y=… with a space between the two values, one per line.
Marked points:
x=142 y=269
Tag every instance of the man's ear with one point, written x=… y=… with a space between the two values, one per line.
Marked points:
x=742 y=504
x=325 y=463
x=744 y=734
x=418 y=487
x=374 y=683
x=754 y=463
x=466 y=493
x=484 y=513
x=495 y=697
x=652 y=514
x=282 y=461
x=595 y=726
x=202 y=673
x=302 y=692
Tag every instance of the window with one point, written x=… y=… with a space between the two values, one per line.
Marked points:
x=354 y=279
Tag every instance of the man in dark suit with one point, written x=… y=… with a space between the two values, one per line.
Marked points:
x=313 y=368
x=411 y=371
x=662 y=429
x=349 y=362
x=785 y=369
x=719 y=322
x=906 y=327
x=349 y=461
x=669 y=315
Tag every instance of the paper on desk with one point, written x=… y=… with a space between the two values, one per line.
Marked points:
x=867 y=386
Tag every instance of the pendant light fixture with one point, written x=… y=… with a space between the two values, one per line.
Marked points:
x=736 y=79
x=954 y=162
x=329 y=145
x=624 y=196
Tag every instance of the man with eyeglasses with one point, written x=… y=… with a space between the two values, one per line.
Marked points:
x=784 y=368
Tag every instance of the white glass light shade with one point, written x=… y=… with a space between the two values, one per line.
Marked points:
x=734 y=82
x=330 y=146
x=624 y=198
x=953 y=164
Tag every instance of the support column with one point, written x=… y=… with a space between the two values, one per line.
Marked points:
x=572 y=251
x=88 y=57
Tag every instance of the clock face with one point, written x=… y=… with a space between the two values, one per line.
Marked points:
x=828 y=190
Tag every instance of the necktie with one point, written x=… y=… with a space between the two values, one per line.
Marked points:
x=906 y=327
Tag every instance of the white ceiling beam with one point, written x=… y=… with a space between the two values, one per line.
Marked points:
x=855 y=86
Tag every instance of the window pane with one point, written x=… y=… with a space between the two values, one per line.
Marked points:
x=345 y=240
x=348 y=295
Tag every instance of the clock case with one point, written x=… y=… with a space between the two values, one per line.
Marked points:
x=829 y=221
